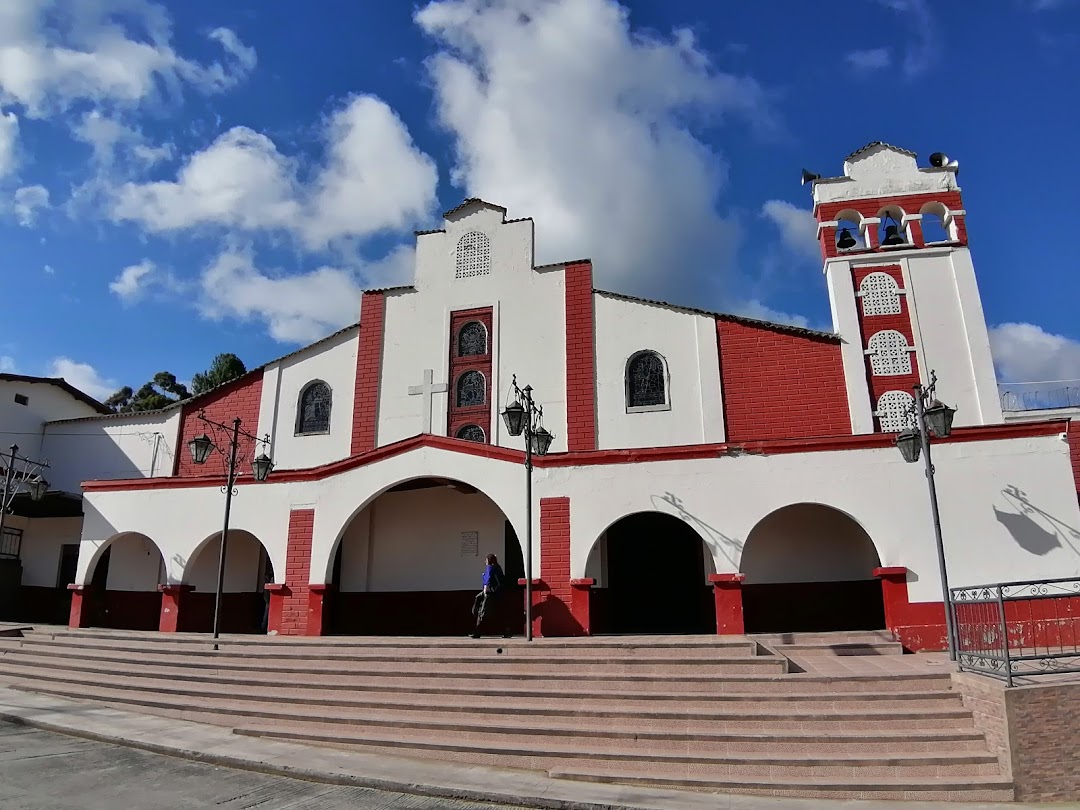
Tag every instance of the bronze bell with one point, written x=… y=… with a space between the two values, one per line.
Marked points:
x=845 y=240
x=892 y=236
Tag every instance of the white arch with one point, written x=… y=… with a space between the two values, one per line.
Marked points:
x=98 y=549
x=234 y=535
x=708 y=561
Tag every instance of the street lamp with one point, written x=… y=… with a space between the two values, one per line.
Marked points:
x=931 y=417
x=525 y=416
x=30 y=475
x=201 y=447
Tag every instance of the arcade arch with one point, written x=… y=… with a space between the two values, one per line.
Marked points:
x=810 y=567
x=244 y=599
x=651 y=571
x=123 y=577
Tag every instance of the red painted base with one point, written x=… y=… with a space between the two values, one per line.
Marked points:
x=419 y=613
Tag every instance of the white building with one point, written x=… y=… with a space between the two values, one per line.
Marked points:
x=709 y=473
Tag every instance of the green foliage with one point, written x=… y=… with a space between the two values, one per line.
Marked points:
x=164 y=390
x=225 y=368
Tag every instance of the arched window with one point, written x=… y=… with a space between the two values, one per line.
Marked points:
x=473 y=255
x=646 y=383
x=471 y=389
x=891 y=229
x=313 y=410
x=880 y=295
x=894 y=411
x=889 y=353
x=849 y=230
x=472 y=340
x=934 y=227
x=472 y=433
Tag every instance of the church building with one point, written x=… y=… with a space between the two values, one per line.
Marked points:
x=708 y=473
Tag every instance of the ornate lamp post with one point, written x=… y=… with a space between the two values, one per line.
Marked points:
x=931 y=417
x=29 y=476
x=524 y=415
x=201 y=447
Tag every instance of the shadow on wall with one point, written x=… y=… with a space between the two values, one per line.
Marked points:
x=1034 y=530
x=715 y=539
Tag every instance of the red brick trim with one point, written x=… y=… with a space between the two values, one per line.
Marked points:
x=241 y=398
x=369 y=350
x=289 y=604
x=870 y=206
x=480 y=415
x=769 y=447
x=727 y=594
x=556 y=614
x=916 y=625
x=580 y=357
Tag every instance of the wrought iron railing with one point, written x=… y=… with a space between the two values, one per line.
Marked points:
x=1039 y=396
x=10 y=543
x=1016 y=629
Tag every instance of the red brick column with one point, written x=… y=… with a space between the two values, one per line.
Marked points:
x=580 y=358
x=172 y=597
x=727 y=592
x=556 y=612
x=917 y=237
x=368 y=371
x=291 y=610
x=581 y=603
x=916 y=625
x=80 y=613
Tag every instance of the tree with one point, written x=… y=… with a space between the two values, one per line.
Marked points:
x=160 y=392
x=225 y=368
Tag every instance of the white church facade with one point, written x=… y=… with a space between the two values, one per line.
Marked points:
x=709 y=473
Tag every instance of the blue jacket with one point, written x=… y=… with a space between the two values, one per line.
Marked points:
x=493 y=576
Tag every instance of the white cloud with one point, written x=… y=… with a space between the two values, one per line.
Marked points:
x=561 y=112
x=923 y=45
x=9 y=138
x=797 y=226
x=374 y=179
x=28 y=201
x=138 y=280
x=1024 y=352
x=48 y=269
x=107 y=135
x=869 y=60
x=7 y=364
x=83 y=376
x=116 y=52
x=755 y=308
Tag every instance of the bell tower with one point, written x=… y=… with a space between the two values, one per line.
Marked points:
x=902 y=287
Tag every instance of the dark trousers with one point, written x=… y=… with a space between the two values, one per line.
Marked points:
x=487 y=604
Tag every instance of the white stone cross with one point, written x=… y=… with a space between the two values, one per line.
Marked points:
x=427 y=390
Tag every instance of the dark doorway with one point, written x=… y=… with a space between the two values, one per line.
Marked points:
x=655 y=579
x=809 y=568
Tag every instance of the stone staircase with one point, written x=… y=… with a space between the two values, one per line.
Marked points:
x=718 y=714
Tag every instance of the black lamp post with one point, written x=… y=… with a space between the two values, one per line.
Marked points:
x=525 y=416
x=201 y=447
x=30 y=475
x=931 y=417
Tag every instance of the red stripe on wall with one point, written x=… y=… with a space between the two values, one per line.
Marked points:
x=580 y=358
x=368 y=372
x=242 y=399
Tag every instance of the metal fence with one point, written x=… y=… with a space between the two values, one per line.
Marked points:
x=10 y=543
x=1039 y=396
x=1018 y=628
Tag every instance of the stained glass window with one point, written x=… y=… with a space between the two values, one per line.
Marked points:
x=314 y=409
x=471 y=389
x=645 y=381
x=472 y=340
x=472 y=433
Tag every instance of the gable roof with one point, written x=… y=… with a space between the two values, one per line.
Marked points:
x=724 y=316
x=472 y=201
x=874 y=144
x=62 y=384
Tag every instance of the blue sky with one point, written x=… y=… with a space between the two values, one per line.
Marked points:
x=180 y=179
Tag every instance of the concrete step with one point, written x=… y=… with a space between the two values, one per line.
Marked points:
x=722 y=721
x=821 y=691
x=614 y=710
x=849 y=643
x=970 y=789
x=613 y=664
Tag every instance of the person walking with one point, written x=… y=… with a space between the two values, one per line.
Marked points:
x=488 y=601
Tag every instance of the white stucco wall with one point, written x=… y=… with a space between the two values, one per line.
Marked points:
x=687 y=343
x=24 y=425
x=883 y=172
x=112 y=447
x=529 y=337
x=41 y=542
x=411 y=540
x=333 y=362
x=135 y=564
x=988 y=535
x=242 y=570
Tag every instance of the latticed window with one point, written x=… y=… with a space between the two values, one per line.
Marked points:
x=472 y=433
x=894 y=411
x=471 y=389
x=889 y=354
x=473 y=255
x=645 y=381
x=880 y=295
x=472 y=340
x=314 y=416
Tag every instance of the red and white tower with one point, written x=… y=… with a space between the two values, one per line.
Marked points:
x=902 y=287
